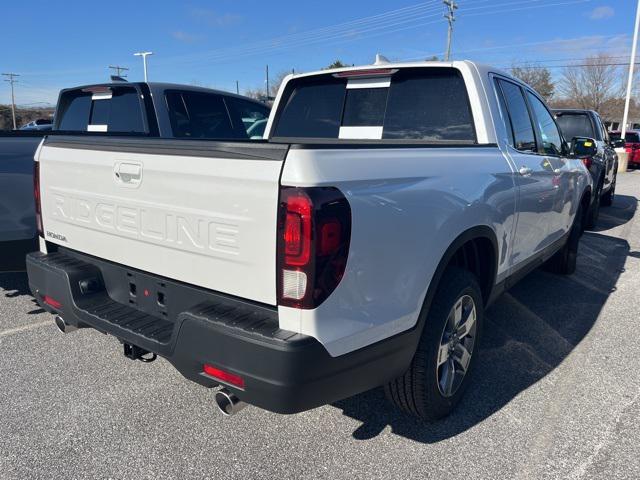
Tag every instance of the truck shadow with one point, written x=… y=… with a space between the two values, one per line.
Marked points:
x=528 y=332
x=16 y=284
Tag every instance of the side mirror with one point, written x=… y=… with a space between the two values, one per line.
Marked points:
x=618 y=143
x=583 y=147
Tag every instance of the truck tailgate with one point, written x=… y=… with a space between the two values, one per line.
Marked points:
x=201 y=212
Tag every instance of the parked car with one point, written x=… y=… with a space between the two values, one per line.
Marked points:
x=603 y=166
x=40 y=124
x=358 y=246
x=631 y=144
x=158 y=110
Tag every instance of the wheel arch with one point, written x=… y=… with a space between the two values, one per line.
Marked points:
x=484 y=240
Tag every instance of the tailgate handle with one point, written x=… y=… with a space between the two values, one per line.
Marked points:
x=129 y=174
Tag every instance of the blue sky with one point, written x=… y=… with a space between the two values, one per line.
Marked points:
x=214 y=43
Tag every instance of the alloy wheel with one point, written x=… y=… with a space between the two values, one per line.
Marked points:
x=456 y=345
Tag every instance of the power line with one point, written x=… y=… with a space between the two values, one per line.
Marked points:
x=451 y=6
x=347 y=29
x=381 y=26
x=11 y=79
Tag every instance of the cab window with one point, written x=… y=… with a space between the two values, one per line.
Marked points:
x=520 y=122
x=550 y=138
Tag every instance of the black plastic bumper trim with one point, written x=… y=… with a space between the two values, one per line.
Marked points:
x=284 y=372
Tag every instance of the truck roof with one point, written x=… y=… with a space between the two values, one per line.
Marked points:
x=159 y=86
x=460 y=64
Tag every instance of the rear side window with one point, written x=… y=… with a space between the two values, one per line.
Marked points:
x=200 y=115
x=575 y=125
x=523 y=137
x=429 y=104
x=251 y=116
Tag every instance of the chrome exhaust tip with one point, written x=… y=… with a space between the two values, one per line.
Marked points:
x=63 y=326
x=228 y=403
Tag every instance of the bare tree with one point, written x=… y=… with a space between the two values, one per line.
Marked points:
x=336 y=64
x=593 y=83
x=539 y=78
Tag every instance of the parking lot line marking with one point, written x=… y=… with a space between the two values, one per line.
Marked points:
x=24 y=328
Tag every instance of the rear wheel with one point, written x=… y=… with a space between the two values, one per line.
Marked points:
x=565 y=260
x=440 y=370
x=607 y=198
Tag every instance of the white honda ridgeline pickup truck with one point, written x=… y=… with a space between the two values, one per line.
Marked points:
x=357 y=246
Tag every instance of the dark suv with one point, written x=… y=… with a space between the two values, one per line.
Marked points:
x=604 y=165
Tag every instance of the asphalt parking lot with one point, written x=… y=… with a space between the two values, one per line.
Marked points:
x=555 y=395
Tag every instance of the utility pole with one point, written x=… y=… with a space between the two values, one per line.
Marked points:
x=267 y=82
x=118 y=69
x=452 y=7
x=11 y=79
x=625 y=117
x=237 y=87
x=144 y=56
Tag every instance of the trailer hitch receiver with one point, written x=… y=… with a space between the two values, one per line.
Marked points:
x=136 y=353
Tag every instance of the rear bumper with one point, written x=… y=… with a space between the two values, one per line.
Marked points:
x=283 y=371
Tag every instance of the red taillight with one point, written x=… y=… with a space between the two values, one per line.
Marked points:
x=314 y=230
x=52 y=302
x=297 y=230
x=224 y=376
x=587 y=162
x=36 y=196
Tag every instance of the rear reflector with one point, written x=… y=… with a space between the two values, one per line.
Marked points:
x=223 y=376
x=52 y=302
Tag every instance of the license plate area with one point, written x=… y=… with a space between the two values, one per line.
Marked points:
x=147 y=294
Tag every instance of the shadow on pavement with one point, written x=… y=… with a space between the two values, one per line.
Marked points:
x=622 y=210
x=528 y=332
x=16 y=284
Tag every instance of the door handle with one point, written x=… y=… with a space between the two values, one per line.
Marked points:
x=524 y=170
x=128 y=174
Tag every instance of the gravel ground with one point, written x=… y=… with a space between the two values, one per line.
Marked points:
x=555 y=395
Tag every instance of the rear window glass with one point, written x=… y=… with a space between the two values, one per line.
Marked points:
x=313 y=109
x=122 y=113
x=100 y=112
x=74 y=111
x=575 y=125
x=364 y=107
x=126 y=112
x=429 y=104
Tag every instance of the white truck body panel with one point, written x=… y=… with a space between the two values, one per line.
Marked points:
x=209 y=222
x=401 y=227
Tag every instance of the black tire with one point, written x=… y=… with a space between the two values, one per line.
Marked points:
x=607 y=198
x=594 y=210
x=565 y=260
x=418 y=391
